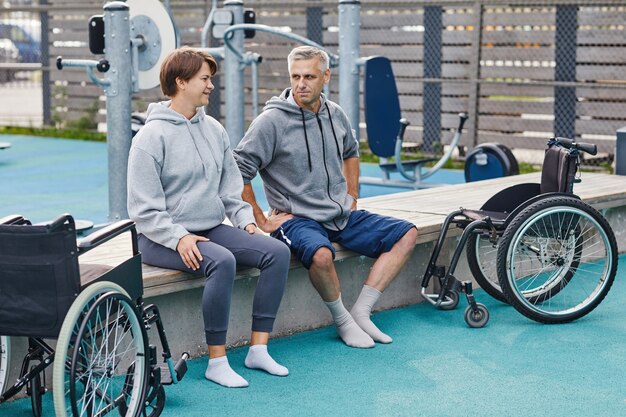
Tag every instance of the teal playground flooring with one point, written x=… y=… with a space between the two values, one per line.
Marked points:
x=436 y=366
x=41 y=178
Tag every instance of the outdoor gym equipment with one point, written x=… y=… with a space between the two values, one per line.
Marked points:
x=135 y=37
x=103 y=363
x=535 y=246
x=386 y=128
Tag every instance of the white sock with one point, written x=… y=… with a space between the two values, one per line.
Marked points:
x=361 y=312
x=220 y=372
x=348 y=330
x=259 y=358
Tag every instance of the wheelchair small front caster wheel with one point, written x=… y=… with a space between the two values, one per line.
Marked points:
x=451 y=300
x=477 y=319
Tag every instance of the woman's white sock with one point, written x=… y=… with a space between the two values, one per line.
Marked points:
x=259 y=358
x=220 y=372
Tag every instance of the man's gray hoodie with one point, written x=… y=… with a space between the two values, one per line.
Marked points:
x=299 y=155
x=182 y=177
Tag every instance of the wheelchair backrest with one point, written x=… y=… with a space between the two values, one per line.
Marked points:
x=39 y=277
x=559 y=170
x=382 y=106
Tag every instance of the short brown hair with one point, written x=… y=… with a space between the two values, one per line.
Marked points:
x=183 y=63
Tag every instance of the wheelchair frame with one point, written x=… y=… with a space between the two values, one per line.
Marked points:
x=105 y=317
x=538 y=237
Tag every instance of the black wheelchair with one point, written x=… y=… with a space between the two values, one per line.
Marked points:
x=102 y=360
x=535 y=246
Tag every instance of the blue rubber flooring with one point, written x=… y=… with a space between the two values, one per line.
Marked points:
x=436 y=366
x=41 y=178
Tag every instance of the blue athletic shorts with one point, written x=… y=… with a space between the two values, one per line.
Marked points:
x=365 y=233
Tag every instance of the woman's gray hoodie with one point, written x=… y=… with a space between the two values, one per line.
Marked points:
x=299 y=155
x=182 y=177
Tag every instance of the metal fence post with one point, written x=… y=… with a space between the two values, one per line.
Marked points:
x=474 y=96
x=45 y=65
x=118 y=104
x=234 y=78
x=620 y=152
x=315 y=24
x=432 y=69
x=565 y=70
x=349 y=50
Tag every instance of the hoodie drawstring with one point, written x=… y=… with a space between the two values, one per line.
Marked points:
x=333 y=129
x=306 y=139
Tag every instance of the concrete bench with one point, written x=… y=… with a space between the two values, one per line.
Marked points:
x=178 y=294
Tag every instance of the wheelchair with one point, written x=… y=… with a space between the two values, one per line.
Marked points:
x=103 y=363
x=537 y=247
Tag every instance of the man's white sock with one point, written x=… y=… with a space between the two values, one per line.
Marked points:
x=348 y=330
x=361 y=312
x=259 y=358
x=220 y=372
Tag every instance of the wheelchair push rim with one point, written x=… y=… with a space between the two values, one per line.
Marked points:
x=557 y=260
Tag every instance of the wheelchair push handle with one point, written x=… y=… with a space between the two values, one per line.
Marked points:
x=590 y=148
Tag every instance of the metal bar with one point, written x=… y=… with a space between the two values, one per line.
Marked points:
x=474 y=96
x=234 y=77
x=118 y=104
x=349 y=51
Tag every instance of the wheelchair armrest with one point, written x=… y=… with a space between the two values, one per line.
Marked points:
x=108 y=233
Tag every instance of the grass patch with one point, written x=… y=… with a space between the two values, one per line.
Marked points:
x=52 y=132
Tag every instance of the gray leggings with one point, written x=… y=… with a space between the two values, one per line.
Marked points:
x=228 y=247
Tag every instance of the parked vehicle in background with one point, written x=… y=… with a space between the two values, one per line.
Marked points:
x=9 y=54
x=26 y=35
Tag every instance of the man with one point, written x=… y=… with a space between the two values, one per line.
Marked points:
x=306 y=153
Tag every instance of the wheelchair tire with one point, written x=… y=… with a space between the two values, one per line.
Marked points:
x=557 y=260
x=155 y=402
x=98 y=312
x=5 y=361
x=481 y=258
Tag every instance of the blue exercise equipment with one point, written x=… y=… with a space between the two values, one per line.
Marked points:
x=386 y=128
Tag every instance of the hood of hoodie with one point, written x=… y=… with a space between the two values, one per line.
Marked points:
x=299 y=155
x=182 y=177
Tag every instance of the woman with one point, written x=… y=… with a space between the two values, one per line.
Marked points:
x=182 y=182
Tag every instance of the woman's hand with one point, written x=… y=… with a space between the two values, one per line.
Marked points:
x=189 y=252
x=251 y=228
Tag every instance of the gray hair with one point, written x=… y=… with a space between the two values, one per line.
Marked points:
x=308 y=52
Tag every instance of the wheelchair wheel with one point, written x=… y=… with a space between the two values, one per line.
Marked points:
x=557 y=260
x=481 y=258
x=5 y=361
x=102 y=338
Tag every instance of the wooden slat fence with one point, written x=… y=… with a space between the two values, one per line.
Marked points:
x=502 y=63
